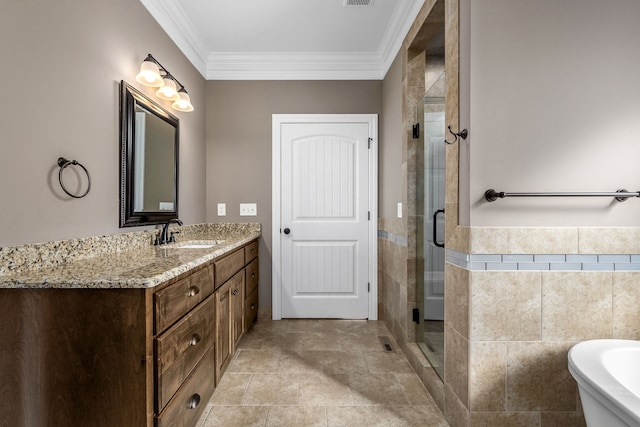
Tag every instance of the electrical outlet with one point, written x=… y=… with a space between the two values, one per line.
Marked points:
x=222 y=209
x=248 y=209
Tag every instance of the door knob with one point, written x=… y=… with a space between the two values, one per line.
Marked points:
x=287 y=231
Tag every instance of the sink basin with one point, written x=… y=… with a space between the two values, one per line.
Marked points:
x=197 y=244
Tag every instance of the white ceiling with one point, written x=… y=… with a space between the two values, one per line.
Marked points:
x=287 y=39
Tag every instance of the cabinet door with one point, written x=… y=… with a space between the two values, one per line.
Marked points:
x=237 y=307
x=223 y=333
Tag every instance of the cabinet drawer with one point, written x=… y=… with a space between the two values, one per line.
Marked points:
x=181 y=346
x=252 y=272
x=250 y=252
x=190 y=401
x=251 y=310
x=175 y=300
x=228 y=266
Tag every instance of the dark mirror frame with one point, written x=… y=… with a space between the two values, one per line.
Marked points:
x=129 y=98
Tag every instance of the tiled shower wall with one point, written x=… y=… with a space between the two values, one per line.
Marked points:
x=392 y=276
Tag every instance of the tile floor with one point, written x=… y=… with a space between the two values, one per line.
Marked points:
x=320 y=373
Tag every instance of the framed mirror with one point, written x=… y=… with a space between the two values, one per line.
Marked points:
x=148 y=160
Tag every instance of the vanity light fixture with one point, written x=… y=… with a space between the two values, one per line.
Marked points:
x=169 y=88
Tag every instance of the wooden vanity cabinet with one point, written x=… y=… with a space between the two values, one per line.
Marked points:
x=124 y=356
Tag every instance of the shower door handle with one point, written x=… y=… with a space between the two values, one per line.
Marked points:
x=435 y=238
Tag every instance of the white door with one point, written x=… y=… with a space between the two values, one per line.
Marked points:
x=326 y=218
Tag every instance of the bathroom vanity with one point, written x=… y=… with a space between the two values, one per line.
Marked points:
x=137 y=338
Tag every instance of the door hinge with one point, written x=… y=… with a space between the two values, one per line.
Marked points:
x=416 y=131
x=369 y=144
x=368 y=215
x=368 y=287
x=416 y=315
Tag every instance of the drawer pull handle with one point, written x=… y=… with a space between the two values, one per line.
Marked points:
x=253 y=251
x=194 y=401
x=235 y=292
x=253 y=306
x=195 y=339
x=253 y=275
x=193 y=291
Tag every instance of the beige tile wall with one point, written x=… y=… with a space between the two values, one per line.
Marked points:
x=392 y=278
x=522 y=324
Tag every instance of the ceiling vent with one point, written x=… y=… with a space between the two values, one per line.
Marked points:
x=348 y=3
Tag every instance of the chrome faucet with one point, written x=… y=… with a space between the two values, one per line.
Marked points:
x=163 y=238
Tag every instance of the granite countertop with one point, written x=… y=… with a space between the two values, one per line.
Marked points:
x=142 y=267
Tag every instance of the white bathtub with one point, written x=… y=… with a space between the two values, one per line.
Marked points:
x=608 y=377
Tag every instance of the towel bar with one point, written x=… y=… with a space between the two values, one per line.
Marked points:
x=492 y=195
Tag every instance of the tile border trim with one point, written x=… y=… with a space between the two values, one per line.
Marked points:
x=544 y=262
x=395 y=238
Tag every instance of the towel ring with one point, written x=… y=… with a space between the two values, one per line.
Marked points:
x=63 y=163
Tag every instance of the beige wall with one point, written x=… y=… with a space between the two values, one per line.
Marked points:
x=239 y=142
x=61 y=65
x=554 y=96
x=390 y=187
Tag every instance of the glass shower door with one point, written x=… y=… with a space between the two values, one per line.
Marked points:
x=434 y=252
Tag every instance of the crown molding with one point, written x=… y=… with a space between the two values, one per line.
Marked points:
x=283 y=66
x=178 y=27
x=397 y=30
x=294 y=66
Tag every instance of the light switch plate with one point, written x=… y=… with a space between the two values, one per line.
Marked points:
x=399 y=209
x=222 y=209
x=248 y=209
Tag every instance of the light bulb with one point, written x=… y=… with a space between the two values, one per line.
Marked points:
x=169 y=91
x=149 y=74
x=184 y=103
